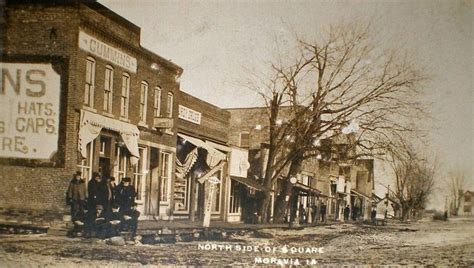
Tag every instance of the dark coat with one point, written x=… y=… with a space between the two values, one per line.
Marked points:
x=98 y=193
x=76 y=190
x=125 y=195
x=322 y=210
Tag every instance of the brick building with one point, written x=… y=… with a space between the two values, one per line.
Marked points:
x=248 y=129
x=204 y=155
x=333 y=178
x=108 y=105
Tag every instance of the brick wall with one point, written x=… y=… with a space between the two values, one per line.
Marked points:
x=40 y=31
x=214 y=120
x=37 y=192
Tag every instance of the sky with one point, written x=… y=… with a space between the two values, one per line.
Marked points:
x=220 y=43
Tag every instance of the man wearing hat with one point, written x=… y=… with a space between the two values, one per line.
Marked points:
x=76 y=196
x=131 y=219
x=100 y=222
x=98 y=191
x=125 y=195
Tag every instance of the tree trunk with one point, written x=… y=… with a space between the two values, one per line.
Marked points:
x=264 y=208
x=283 y=199
x=282 y=202
x=405 y=212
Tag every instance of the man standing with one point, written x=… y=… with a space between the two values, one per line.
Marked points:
x=373 y=216
x=76 y=196
x=98 y=191
x=323 y=213
x=125 y=195
x=347 y=212
x=113 y=190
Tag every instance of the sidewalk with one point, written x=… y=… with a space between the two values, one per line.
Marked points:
x=186 y=226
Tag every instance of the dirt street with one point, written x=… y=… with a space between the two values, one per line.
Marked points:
x=422 y=243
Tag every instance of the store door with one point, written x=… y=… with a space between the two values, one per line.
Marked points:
x=153 y=188
x=104 y=167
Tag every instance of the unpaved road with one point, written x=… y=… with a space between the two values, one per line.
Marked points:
x=423 y=243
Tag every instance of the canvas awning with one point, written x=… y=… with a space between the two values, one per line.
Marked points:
x=239 y=163
x=307 y=190
x=91 y=124
x=354 y=192
x=214 y=156
x=251 y=183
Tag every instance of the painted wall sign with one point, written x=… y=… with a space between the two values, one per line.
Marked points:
x=161 y=122
x=107 y=52
x=29 y=110
x=189 y=115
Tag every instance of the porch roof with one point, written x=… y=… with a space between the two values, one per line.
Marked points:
x=251 y=183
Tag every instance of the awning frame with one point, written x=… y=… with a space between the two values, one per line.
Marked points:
x=251 y=183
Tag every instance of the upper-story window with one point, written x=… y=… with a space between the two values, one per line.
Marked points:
x=169 y=105
x=143 y=101
x=124 y=99
x=245 y=139
x=90 y=82
x=108 y=88
x=157 y=102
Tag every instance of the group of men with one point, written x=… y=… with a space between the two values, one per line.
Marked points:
x=103 y=208
x=312 y=214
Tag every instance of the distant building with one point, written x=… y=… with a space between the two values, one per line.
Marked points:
x=333 y=178
x=466 y=202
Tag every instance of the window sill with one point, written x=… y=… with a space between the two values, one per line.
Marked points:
x=108 y=114
x=169 y=132
x=124 y=119
x=90 y=109
x=142 y=124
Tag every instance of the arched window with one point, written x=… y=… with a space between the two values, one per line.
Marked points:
x=157 y=102
x=143 y=101
x=90 y=82
x=108 y=88
x=125 y=97
x=169 y=105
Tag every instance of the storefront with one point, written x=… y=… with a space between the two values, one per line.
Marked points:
x=103 y=95
x=201 y=190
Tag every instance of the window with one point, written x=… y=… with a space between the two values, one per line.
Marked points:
x=157 y=102
x=139 y=173
x=121 y=162
x=165 y=176
x=85 y=165
x=216 y=204
x=169 y=105
x=234 y=198
x=244 y=139
x=467 y=198
x=360 y=178
x=90 y=82
x=143 y=100
x=467 y=209
x=108 y=88
x=124 y=103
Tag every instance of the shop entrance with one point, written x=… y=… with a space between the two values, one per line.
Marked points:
x=153 y=189
x=104 y=167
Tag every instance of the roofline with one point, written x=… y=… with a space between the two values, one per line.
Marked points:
x=206 y=102
x=107 y=12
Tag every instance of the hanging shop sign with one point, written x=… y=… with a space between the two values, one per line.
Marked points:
x=29 y=110
x=189 y=115
x=163 y=123
x=100 y=49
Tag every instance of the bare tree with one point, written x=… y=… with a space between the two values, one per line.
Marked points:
x=414 y=179
x=342 y=82
x=456 y=185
